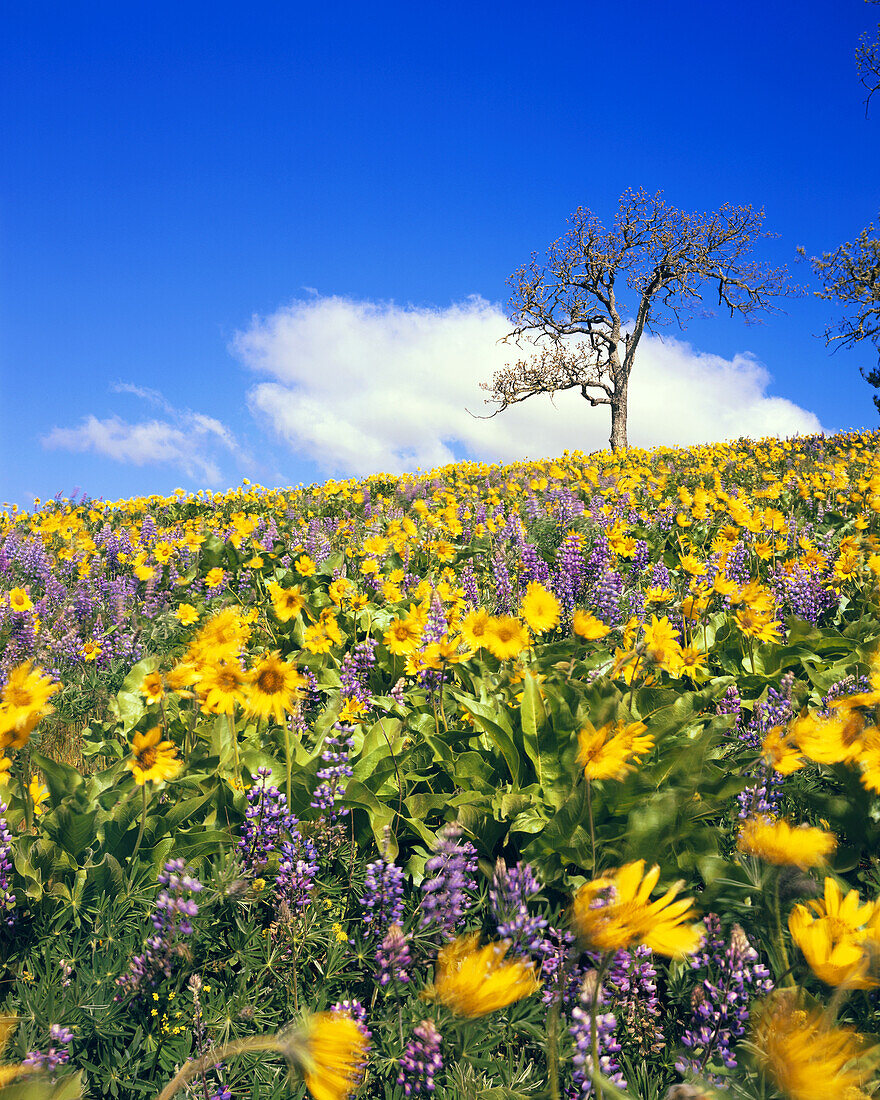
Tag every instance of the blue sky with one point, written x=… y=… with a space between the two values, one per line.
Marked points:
x=273 y=240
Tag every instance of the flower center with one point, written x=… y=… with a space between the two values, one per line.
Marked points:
x=147 y=758
x=270 y=681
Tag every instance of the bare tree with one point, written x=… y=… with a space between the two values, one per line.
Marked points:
x=851 y=278
x=663 y=257
x=868 y=61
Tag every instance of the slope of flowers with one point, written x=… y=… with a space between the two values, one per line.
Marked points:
x=559 y=775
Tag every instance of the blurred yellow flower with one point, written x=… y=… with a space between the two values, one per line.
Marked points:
x=837 y=936
x=329 y=1051
x=506 y=637
x=273 y=688
x=781 y=752
x=805 y=1056
x=777 y=842
x=540 y=608
x=287 y=603
x=606 y=753
x=472 y=981
x=153 y=760
x=473 y=627
x=615 y=911
x=152 y=687
x=588 y=626
x=220 y=686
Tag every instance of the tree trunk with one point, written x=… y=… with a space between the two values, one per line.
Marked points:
x=618 y=419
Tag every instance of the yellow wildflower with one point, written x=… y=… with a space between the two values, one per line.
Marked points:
x=506 y=637
x=153 y=759
x=614 y=911
x=588 y=626
x=473 y=981
x=540 y=609
x=329 y=1051
x=806 y=1057
x=777 y=842
x=606 y=753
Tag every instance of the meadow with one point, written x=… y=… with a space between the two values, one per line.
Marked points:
x=550 y=780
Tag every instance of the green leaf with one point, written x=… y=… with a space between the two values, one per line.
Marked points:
x=61 y=779
x=533 y=720
x=72 y=830
x=490 y=722
x=129 y=709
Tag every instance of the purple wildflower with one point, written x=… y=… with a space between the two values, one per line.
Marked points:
x=173 y=911
x=445 y=896
x=509 y=895
x=393 y=957
x=382 y=902
x=58 y=1053
x=720 y=1001
x=421 y=1061
x=336 y=769
x=8 y=911
x=632 y=985
x=581 y=1032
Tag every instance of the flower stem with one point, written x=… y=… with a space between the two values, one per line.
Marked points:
x=234 y=738
x=219 y=1054
x=140 y=836
x=592 y=825
x=553 y=1050
x=287 y=758
x=26 y=800
x=780 y=938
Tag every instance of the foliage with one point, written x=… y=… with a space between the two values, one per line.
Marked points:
x=268 y=753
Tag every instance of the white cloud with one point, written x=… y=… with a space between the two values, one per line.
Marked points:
x=362 y=387
x=187 y=440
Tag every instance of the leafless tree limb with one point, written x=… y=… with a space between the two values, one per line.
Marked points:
x=868 y=62
x=601 y=290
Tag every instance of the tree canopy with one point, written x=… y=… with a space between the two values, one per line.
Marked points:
x=587 y=303
x=851 y=278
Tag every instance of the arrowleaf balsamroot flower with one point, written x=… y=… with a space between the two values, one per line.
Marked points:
x=186 y=614
x=614 y=912
x=588 y=626
x=274 y=686
x=221 y=686
x=152 y=687
x=473 y=981
x=329 y=1051
x=834 y=939
x=506 y=637
x=756 y=625
x=540 y=608
x=23 y=701
x=781 y=751
x=807 y=1059
x=473 y=627
x=605 y=753
x=19 y=600
x=287 y=603
x=403 y=636
x=662 y=645
x=154 y=759
x=777 y=842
